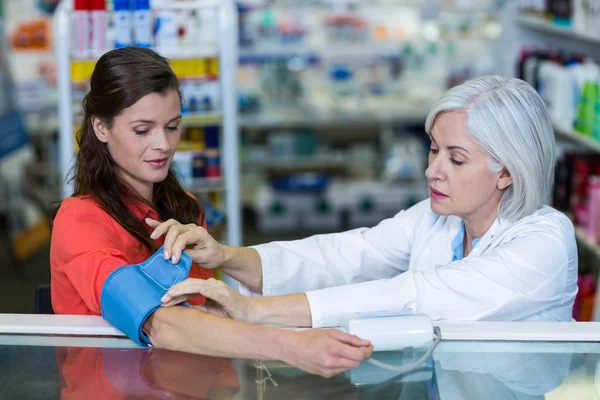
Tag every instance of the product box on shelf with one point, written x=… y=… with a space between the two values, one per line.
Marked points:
x=275 y=214
x=372 y=202
x=287 y=206
x=323 y=212
x=365 y=203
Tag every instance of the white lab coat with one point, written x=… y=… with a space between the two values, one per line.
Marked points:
x=518 y=271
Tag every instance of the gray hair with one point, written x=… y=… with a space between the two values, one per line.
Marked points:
x=510 y=122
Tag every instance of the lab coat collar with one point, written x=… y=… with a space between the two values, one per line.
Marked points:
x=442 y=239
x=498 y=226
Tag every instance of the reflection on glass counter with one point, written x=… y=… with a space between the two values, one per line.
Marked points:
x=110 y=368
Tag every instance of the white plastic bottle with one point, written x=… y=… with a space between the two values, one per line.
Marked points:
x=167 y=38
x=555 y=88
x=81 y=28
x=142 y=24
x=208 y=25
x=98 y=14
x=122 y=22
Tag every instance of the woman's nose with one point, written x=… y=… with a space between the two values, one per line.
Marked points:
x=160 y=141
x=433 y=170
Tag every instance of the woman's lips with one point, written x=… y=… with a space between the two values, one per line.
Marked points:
x=437 y=195
x=158 y=163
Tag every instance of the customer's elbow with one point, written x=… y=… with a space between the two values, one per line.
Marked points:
x=157 y=329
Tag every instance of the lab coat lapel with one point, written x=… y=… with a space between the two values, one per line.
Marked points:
x=499 y=226
x=436 y=248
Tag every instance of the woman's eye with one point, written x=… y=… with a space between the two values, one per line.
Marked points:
x=141 y=132
x=433 y=151
x=173 y=128
x=456 y=162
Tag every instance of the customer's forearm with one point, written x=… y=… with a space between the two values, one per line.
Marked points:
x=194 y=331
x=289 y=310
x=244 y=265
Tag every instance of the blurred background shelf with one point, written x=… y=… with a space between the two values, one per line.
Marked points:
x=330 y=49
x=199 y=51
x=298 y=165
x=546 y=26
x=586 y=141
x=201 y=119
x=204 y=185
x=354 y=120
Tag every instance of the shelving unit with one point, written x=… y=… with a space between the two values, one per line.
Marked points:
x=202 y=119
x=206 y=185
x=225 y=49
x=535 y=32
x=300 y=119
x=543 y=25
x=206 y=51
x=344 y=50
x=298 y=165
x=586 y=141
x=591 y=144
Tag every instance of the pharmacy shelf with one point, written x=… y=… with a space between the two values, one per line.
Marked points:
x=297 y=165
x=361 y=50
x=582 y=238
x=577 y=137
x=201 y=51
x=188 y=120
x=205 y=185
x=543 y=25
x=201 y=119
x=187 y=5
x=358 y=119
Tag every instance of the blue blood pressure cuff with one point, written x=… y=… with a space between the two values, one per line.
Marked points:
x=133 y=292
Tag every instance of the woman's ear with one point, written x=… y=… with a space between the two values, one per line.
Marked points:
x=505 y=180
x=100 y=130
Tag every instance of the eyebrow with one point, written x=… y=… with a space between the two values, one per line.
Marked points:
x=149 y=121
x=449 y=147
x=458 y=148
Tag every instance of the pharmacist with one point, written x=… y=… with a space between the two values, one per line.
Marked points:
x=482 y=247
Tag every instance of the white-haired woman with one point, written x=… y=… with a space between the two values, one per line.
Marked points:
x=482 y=247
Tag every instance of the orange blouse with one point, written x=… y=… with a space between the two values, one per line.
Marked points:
x=87 y=246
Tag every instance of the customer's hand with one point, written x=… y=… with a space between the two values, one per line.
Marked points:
x=326 y=352
x=221 y=299
x=195 y=240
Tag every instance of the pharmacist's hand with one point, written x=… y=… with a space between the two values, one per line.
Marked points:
x=326 y=352
x=195 y=240
x=221 y=299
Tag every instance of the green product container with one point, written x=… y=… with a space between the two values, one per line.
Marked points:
x=584 y=122
x=596 y=123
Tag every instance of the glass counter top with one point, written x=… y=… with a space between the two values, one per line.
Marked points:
x=109 y=369
x=105 y=365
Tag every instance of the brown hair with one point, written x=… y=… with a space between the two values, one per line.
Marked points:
x=120 y=79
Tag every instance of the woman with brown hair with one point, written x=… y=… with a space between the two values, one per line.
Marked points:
x=122 y=175
x=124 y=185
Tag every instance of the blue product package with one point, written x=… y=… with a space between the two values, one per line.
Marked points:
x=133 y=292
x=306 y=182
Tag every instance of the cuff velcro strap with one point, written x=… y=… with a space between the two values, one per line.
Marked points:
x=133 y=292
